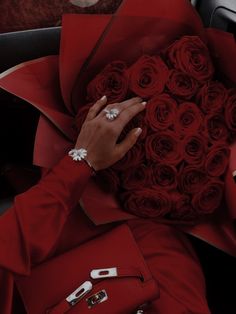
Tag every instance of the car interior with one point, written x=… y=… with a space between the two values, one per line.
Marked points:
x=15 y=135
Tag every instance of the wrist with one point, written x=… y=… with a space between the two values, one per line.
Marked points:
x=80 y=155
x=90 y=166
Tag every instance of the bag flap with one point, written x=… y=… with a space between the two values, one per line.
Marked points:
x=54 y=280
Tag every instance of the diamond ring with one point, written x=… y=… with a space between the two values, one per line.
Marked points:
x=111 y=114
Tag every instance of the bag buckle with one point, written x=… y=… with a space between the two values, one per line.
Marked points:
x=97 y=298
x=79 y=293
x=104 y=273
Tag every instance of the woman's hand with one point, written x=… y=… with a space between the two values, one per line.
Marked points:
x=99 y=135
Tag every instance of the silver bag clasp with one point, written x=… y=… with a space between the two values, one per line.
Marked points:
x=104 y=273
x=79 y=293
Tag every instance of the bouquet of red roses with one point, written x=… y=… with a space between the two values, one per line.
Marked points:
x=176 y=169
x=181 y=162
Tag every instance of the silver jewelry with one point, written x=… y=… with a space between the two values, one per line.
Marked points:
x=111 y=114
x=78 y=154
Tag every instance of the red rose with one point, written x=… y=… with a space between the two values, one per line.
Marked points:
x=112 y=82
x=147 y=202
x=161 y=112
x=217 y=160
x=134 y=157
x=108 y=180
x=136 y=178
x=191 y=56
x=230 y=112
x=216 y=128
x=182 y=85
x=191 y=179
x=148 y=76
x=163 y=175
x=195 y=148
x=189 y=118
x=212 y=97
x=183 y=210
x=209 y=198
x=163 y=147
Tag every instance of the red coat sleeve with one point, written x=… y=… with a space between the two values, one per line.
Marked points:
x=30 y=229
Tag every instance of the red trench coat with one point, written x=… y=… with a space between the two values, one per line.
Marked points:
x=46 y=221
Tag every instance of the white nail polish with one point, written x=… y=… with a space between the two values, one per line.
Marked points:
x=138 y=131
x=144 y=103
x=104 y=97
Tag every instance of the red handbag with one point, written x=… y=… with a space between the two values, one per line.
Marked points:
x=103 y=276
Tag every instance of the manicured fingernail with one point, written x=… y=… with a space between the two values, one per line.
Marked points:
x=104 y=97
x=138 y=131
x=144 y=103
x=234 y=175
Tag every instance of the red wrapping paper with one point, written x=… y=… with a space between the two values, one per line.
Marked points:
x=56 y=86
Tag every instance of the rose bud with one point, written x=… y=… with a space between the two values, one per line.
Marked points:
x=194 y=149
x=164 y=147
x=112 y=82
x=148 y=76
x=147 y=202
x=191 y=178
x=209 y=198
x=183 y=211
x=216 y=128
x=191 y=56
x=161 y=112
x=217 y=160
x=182 y=85
x=163 y=175
x=189 y=119
x=212 y=97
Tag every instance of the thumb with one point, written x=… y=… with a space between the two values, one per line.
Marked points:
x=129 y=141
x=96 y=108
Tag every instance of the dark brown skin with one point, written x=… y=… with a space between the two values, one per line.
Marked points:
x=99 y=135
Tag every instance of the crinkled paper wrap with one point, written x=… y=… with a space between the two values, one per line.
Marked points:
x=56 y=86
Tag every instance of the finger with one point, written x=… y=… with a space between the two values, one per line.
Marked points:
x=128 y=103
x=130 y=140
x=126 y=115
x=96 y=108
x=125 y=104
x=121 y=106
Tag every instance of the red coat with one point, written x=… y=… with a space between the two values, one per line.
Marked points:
x=46 y=221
